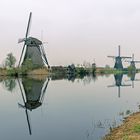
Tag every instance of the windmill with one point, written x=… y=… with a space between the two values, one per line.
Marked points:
x=33 y=92
x=118 y=83
x=118 y=59
x=132 y=63
x=33 y=50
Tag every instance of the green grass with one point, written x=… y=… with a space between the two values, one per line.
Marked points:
x=125 y=137
x=136 y=128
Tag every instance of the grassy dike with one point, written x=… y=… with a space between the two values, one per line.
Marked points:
x=59 y=70
x=23 y=72
x=110 y=71
x=129 y=130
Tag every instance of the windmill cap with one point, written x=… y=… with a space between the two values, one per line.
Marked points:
x=33 y=41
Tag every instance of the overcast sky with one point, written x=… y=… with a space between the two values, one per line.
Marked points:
x=76 y=30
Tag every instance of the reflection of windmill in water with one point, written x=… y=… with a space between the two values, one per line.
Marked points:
x=118 y=60
x=118 y=83
x=33 y=50
x=132 y=78
x=32 y=92
x=133 y=70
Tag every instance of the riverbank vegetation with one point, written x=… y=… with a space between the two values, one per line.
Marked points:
x=129 y=130
x=9 y=69
x=59 y=70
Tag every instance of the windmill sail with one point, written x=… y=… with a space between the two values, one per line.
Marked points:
x=26 y=111
x=26 y=35
x=44 y=55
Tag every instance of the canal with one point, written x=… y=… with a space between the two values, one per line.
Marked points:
x=70 y=108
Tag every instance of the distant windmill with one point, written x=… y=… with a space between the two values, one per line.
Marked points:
x=118 y=83
x=33 y=49
x=118 y=60
x=132 y=62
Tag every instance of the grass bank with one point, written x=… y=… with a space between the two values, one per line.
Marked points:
x=22 y=71
x=129 y=130
x=60 y=70
x=102 y=70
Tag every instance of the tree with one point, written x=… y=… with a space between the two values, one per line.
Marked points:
x=10 y=60
x=9 y=84
x=107 y=66
x=28 y=64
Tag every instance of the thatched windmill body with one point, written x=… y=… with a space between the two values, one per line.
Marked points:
x=33 y=50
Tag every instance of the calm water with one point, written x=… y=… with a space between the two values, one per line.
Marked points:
x=62 y=109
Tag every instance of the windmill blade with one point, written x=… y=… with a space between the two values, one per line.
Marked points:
x=133 y=84
x=21 y=106
x=137 y=80
x=132 y=57
x=127 y=61
x=137 y=61
x=44 y=55
x=26 y=111
x=112 y=56
x=20 y=40
x=22 y=53
x=46 y=61
x=28 y=26
x=111 y=86
x=21 y=91
x=124 y=85
x=119 y=50
x=28 y=122
x=128 y=80
x=26 y=35
x=125 y=57
x=119 y=91
x=44 y=90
